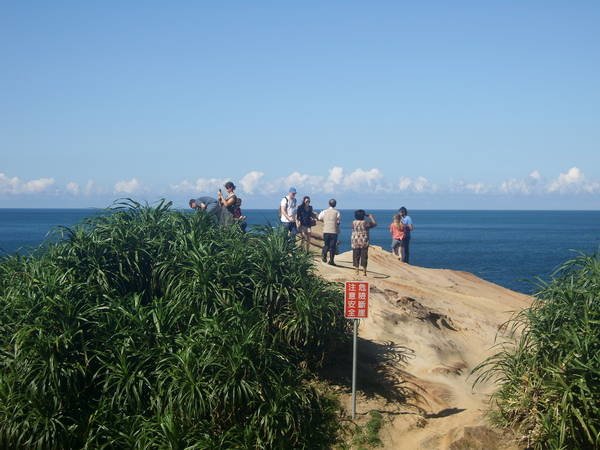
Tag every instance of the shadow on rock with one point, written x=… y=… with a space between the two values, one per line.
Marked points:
x=379 y=372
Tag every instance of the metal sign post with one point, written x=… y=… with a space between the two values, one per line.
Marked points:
x=356 y=306
x=354 y=369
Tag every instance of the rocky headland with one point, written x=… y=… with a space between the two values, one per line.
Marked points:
x=427 y=329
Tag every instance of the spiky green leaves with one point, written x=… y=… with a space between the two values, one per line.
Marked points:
x=550 y=377
x=151 y=328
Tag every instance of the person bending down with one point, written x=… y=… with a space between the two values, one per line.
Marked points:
x=209 y=205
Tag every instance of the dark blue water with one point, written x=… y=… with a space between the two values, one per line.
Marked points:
x=22 y=230
x=510 y=248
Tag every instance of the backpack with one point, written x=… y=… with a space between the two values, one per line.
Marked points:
x=279 y=209
x=231 y=208
x=287 y=205
x=237 y=210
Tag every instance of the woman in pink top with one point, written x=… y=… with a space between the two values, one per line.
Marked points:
x=397 y=232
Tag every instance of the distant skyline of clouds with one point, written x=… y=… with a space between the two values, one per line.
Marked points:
x=256 y=187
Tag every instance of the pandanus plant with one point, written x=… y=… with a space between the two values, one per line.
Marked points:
x=549 y=372
x=152 y=328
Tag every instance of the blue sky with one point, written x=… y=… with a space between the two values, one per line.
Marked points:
x=467 y=105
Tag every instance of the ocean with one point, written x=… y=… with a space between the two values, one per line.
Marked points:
x=509 y=248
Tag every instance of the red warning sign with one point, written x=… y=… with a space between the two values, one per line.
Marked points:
x=356 y=300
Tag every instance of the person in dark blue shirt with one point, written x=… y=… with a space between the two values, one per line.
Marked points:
x=408 y=227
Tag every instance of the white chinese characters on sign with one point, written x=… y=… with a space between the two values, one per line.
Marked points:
x=356 y=300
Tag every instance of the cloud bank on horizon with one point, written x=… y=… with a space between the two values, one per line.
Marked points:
x=337 y=182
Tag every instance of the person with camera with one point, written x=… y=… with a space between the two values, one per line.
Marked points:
x=360 y=239
x=227 y=204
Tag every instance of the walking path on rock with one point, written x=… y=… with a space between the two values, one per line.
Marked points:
x=427 y=329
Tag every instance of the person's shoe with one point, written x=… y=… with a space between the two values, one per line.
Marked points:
x=357 y=271
x=331 y=263
x=365 y=271
x=324 y=258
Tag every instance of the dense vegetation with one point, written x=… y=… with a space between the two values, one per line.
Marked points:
x=151 y=328
x=550 y=377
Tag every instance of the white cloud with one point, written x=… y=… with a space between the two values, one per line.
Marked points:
x=302 y=182
x=419 y=184
x=572 y=180
x=250 y=181
x=92 y=188
x=73 y=188
x=524 y=186
x=477 y=188
x=14 y=185
x=9 y=185
x=359 y=179
x=201 y=186
x=336 y=176
x=183 y=186
x=404 y=183
x=36 y=186
x=474 y=188
x=305 y=181
x=592 y=187
x=128 y=186
x=515 y=186
x=338 y=181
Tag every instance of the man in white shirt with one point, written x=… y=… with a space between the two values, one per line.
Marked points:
x=287 y=211
x=331 y=219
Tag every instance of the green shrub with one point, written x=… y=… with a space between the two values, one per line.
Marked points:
x=367 y=436
x=550 y=376
x=151 y=328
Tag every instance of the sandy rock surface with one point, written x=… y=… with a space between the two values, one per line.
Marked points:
x=427 y=329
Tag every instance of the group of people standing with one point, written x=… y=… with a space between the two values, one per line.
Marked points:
x=226 y=209
x=400 y=229
x=301 y=218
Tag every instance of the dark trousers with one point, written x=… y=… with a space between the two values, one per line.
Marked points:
x=405 y=245
x=291 y=227
x=360 y=257
x=329 y=244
